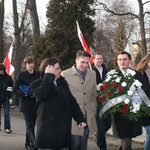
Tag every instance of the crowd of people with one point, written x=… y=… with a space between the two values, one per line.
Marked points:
x=64 y=106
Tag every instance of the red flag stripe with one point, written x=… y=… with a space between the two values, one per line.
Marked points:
x=83 y=42
x=7 y=61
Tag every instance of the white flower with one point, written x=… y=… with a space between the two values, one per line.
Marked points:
x=123 y=84
x=126 y=101
x=130 y=72
x=108 y=78
x=137 y=83
x=135 y=107
x=129 y=92
x=98 y=86
x=111 y=72
x=118 y=79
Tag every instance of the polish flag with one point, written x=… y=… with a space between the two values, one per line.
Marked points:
x=7 y=61
x=83 y=42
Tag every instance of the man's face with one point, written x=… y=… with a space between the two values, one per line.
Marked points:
x=57 y=71
x=82 y=63
x=123 y=61
x=30 y=66
x=98 y=60
x=1 y=72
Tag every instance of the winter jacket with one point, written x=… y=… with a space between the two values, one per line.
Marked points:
x=56 y=107
x=124 y=128
x=146 y=119
x=5 y=82
x=27 y=104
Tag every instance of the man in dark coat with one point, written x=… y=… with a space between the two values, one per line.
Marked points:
x=124 y=128
x=27 y=102
x=6 y=84
x=56 y=107
x=103 y=125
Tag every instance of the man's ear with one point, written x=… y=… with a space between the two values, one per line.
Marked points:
x=130 y=63
x=76 y=60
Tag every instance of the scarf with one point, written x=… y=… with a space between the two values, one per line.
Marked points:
x=147 y=71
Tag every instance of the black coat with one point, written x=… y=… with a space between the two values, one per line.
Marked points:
x=124 y=128
x=98 y=78
x=5 y=82
x=56 y=107
x=146 y=120
x=27 y=104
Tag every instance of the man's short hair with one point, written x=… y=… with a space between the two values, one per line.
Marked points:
x=82 y=54
x=2 y=67
x=97 y=53
x=125 y=52
x=27 y=59
x=47 y=61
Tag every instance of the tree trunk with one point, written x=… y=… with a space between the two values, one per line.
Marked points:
x=142 y=28
x=34 y=19
x=1 y=30
x=17 y=43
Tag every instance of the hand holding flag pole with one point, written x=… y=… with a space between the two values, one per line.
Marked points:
x=83 y=42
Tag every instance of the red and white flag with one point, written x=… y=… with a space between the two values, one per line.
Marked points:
x=83 y=42
x=7 y=61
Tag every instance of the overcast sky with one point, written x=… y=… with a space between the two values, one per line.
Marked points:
x=41 y=8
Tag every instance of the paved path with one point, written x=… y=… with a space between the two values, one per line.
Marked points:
x=15 y=140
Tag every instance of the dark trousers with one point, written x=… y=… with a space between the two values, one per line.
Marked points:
x=80 y=142
x=30 y=120
x=6 y=106
x=126 y=144
x=103 y=126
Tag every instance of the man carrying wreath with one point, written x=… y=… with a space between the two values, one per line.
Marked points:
x=124 y=128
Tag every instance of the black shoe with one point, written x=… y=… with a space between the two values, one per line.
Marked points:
x=8 y=131
x=27 y=146
x=33 y=148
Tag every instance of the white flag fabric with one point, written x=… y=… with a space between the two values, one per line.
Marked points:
x=83 y=42
x=7 y=61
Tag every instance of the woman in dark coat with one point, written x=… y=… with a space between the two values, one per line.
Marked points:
x=56 y=107
x=144 y=68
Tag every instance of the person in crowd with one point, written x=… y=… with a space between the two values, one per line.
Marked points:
x=144 y=68
x=82 y=83
x=122 y=127
x=102 y=124
x=56 y=107
x=27 y=102
x=6 y=84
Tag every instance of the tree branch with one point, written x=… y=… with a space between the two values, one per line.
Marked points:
x=147 y=12
x=119 y=14
x=146 y=2
x=24 y=15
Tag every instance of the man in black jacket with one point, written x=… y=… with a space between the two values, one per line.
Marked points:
x=27 y=102
x=122 y=127
x=102 y=124
x=6 y=84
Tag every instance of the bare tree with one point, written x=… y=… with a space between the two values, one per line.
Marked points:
x=116 y=30
x=140 y=17
x=19 y=30
x=1 y=29
x=35 y=20
x=17 y=42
